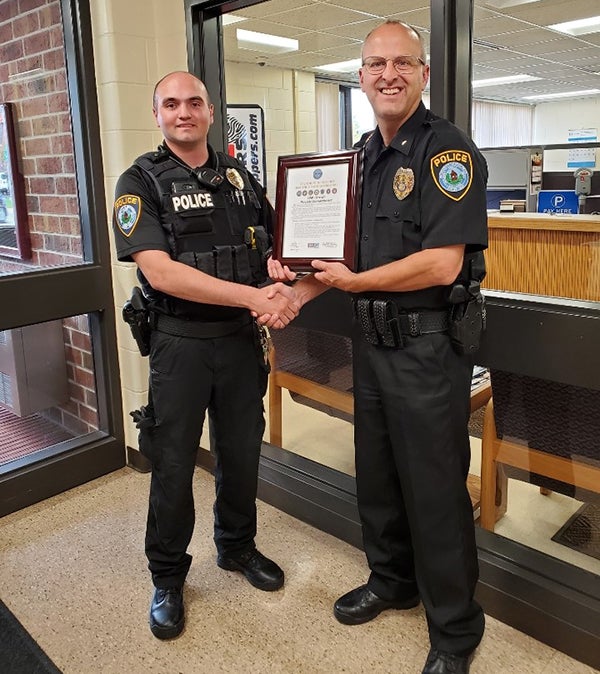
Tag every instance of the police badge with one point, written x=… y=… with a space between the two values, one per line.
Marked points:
x=234 y=178
x=404 y=181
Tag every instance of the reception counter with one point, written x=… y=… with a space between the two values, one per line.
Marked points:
x=556 y=255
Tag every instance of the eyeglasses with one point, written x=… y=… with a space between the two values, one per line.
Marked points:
x=403 y=65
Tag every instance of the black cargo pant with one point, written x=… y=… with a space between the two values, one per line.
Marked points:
x=227 y=376
x=412 y=460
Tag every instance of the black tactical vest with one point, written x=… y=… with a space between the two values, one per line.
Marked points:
x=211 y=219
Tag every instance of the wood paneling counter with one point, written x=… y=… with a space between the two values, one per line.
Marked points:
x=544 y=254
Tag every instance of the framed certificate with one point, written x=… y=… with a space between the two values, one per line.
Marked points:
x=317 y=209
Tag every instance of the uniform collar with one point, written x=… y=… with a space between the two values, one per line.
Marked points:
x=372 y=142
x=404 y=138
x=211 y=162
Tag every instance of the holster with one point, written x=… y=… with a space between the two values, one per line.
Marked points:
x=467 y=324
x=137 y=315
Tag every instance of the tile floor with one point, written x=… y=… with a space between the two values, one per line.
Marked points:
x=72 y=569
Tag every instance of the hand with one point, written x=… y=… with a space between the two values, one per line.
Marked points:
x=279 y=273
x=277 y=306
x=333 y=274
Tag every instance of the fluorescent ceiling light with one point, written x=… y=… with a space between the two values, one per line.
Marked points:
x=565 y=94
x=342 y=66
x=578 y=27
x=510 y=79
x=263 y=42
x=229 y=19
x=503 y=4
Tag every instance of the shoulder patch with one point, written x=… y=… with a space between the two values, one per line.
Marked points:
x=452 y=171
x=128 y=209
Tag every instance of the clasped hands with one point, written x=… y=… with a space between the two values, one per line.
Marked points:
x=277 y=305
x=285 y=302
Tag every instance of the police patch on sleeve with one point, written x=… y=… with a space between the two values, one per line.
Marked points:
x=128 y=209
x=452 y=171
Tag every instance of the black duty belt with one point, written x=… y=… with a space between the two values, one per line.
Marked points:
x=180 y=327
x=382 y=323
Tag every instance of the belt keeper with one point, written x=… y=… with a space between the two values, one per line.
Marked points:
x=386 y=323
x=414 y=324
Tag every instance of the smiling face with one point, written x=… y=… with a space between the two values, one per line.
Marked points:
x=183 y=111
x=393 y=96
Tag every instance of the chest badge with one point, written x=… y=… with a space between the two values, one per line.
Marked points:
x=452 y=172
x=128 y=209
x=404 y=181
x=234 y=177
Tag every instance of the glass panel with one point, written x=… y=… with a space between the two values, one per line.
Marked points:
x=543 y=491
x=363 y=119
x=33 y=79
x=47 y=390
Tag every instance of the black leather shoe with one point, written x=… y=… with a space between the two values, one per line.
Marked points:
x=167 y=613
x=361 y=605
x=439 y=662
x=259 y=571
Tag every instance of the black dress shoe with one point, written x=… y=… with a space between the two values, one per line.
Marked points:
x=259 y=571
x=439 y=662
x=167 y=613
x=361 y=605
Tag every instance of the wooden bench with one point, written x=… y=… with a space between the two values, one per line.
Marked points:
x=341 y=400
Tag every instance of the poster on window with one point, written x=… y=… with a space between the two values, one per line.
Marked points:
x=246 y=138
x=585 y=156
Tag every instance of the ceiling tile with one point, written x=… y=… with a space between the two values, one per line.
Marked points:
x=333 y=30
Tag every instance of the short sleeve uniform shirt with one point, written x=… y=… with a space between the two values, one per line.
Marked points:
x=427 y=189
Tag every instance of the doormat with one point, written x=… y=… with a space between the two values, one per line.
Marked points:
x=581 y=532
x=22 y=436
x=19 y=652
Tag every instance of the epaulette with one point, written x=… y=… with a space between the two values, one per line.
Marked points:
x=149 y=159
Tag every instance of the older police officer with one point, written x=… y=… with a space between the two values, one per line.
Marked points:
x=423 y=227
x=198 y=225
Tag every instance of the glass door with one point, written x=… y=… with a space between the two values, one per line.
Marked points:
x=60 y=416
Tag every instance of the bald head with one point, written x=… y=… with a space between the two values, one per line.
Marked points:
x=403 y=29
x=178 y=75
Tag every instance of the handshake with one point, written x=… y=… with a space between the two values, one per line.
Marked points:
x=276 y=305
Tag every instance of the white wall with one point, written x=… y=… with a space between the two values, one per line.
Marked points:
x=135 y=43
x=287 y=98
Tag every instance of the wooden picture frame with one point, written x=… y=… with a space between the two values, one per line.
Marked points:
x=317 y=209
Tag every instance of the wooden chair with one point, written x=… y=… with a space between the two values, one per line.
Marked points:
x=542 y=432
x=316 y=366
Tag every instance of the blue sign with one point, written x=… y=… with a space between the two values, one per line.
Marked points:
x=563 y=201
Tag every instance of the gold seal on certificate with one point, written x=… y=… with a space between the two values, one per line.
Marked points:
x=317 y=209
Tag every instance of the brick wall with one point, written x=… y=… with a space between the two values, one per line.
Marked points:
x=33 y=78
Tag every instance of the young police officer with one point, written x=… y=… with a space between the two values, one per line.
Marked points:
x=423 y=226
x=198 y=225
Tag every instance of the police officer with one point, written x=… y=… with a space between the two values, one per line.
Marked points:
x=423 y=224
x=197 y=225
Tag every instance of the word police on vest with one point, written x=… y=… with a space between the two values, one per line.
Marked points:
x=188 y=202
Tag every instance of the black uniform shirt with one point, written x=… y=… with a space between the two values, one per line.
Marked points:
x=427 y=189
